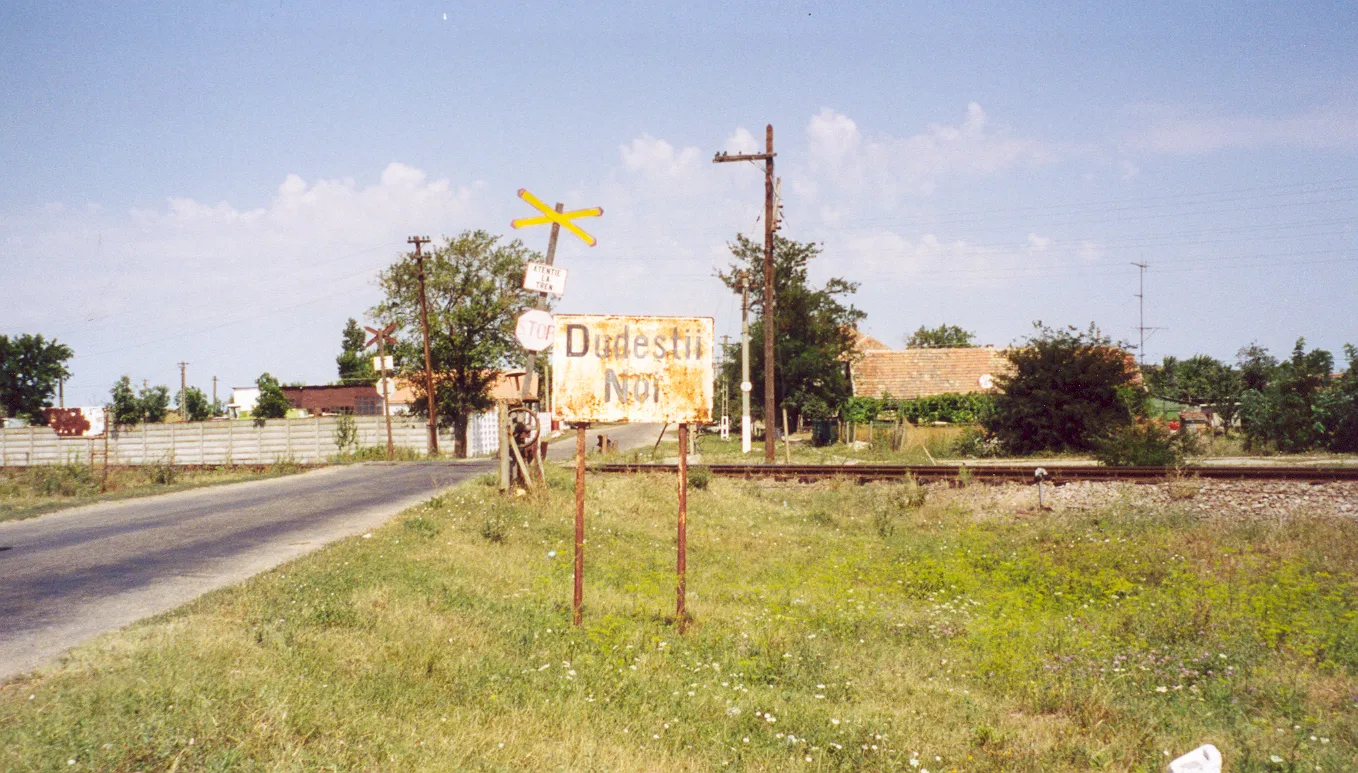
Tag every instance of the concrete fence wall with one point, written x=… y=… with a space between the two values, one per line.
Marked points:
x=305 y=441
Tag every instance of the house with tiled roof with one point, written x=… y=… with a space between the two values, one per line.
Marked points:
x=910 y=373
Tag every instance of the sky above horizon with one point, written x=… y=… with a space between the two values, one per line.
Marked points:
x=222 y=185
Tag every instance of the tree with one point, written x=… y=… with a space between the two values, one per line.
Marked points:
x=355 y=366
x=474 y=286
x=271 y=403
x=1199 y=380
x=126 y=408
x=154 y=402
x=30 y=367
x=941 y=337
x=196 y=406
x=1068 y=390
x=1256 y=366
x=1283 y=412
x=1336 y=408
x=815 y=330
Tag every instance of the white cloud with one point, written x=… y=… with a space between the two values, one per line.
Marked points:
x=163 y=273
x=742 y=141
x=1038 y=243
x=657 y=158
x=882 y=170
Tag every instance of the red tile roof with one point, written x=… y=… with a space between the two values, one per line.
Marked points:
x=911 y=373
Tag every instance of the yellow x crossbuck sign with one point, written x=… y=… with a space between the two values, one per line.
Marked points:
x=563 y=219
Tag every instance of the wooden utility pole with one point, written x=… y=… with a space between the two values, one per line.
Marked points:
x=183 y=391
x=770 y=410
x=214 y=392
x=419 y=241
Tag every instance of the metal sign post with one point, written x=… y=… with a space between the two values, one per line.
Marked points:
x=381 y=337
x=579 y=598
x=681 y=549
x=634 y=369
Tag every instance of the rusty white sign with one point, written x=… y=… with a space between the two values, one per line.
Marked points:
x=542 y=278
x=614 y=368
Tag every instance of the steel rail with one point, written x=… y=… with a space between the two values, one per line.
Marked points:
x=1056 y=473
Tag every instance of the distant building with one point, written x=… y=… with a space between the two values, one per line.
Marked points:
x=242 y=401
x=910 y=373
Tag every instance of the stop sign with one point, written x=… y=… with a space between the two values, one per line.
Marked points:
x=536 y=330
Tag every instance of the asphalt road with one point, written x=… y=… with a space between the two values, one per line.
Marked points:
x=70 y=576
x=627 y=436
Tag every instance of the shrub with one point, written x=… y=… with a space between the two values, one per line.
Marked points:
x=164 y=472
x=1143 y=444
x=346 y=432
x=1067 y=389
x=699 y=477
x=975 y=442
x=953 y=408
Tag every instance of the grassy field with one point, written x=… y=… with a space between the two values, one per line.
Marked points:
x=835 y=627
x=32 y=491
x=922 y=446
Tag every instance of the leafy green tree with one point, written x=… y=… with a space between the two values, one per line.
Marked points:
x=1336 y=408
x=355 y=366
x=941 y=337
x=155 y=403
x=1068 y=390
x=196 y=406
x=1256 y=367
x=1199 y=380
x=1283 y=413
x=815 y=329
x=271 y=403
x=125 y=408
x=474 y=285
x=30 y=367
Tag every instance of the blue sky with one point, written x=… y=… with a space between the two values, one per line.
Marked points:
x=222 y=185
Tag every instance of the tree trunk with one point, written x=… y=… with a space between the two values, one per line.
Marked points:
x=460 y=435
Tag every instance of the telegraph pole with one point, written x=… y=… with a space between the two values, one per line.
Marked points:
x=183 y=392
x=745 y=385
x=770 y=424
x=1141 y=303
x=214 y=391
x=420 y=241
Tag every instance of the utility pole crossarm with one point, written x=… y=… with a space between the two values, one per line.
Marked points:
x=724 y=156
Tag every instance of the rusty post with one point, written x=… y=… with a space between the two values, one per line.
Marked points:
x=108 y=429
x=579 y=520
x=682 y=550
x=502 y=413
x=418 y=241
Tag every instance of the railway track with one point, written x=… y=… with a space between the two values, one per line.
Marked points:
x=1056 y=473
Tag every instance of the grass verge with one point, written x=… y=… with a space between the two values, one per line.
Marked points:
x=835 y=627
x=33 y=491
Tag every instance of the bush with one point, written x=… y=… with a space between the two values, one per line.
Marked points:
x=953 y=408
x=346 y=432
x=1143 y=444
x=1067 y=390
x=67 y=480
x=699 y=477
x=976 y=443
